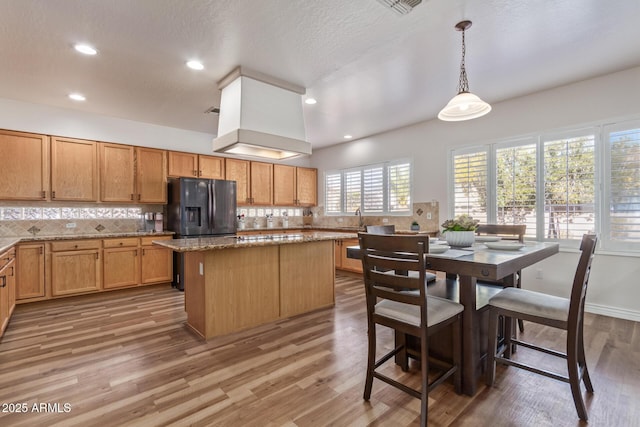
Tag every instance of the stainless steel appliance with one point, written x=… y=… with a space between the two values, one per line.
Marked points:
x=199 y=208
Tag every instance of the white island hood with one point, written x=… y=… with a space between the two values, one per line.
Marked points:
x=260 y=116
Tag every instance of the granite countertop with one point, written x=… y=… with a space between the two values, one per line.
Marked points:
x=230 y=242
x=7 y=242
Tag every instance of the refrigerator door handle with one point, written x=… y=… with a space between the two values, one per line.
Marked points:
x=210 y=210
x=212 y=197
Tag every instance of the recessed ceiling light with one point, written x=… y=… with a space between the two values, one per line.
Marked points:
x=85 y=48
x=195 y=65
x=348 y=136
x=77 y=97
x=310 y=101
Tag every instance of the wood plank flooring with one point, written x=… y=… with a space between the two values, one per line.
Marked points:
x=126 y=358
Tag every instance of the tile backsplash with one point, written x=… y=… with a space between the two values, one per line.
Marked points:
x=48 y=220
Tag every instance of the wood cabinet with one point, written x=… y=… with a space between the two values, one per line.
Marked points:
x=151 y=175
x=157 y=261
x=238 y=171
x=261 y=187
x=74 y=170
x=195 y=166
x=7 y=287
x=284 y=185
x=76 y=267
x=344 y=263
x=121 y=263
x=24 y=174
x=295 y=186
x=306 y=186
x=117 y=172
x=30 y=272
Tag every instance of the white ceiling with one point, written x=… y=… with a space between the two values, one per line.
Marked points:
x=370 y=69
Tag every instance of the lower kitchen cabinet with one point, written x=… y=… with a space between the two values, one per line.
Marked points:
x=30 y=271
x=121 y=263
x=157 y=261
x=344 y=263
x=7 y=287
x=76 y=267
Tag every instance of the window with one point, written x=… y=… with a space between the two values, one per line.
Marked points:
x=379 y=189
x=470 y=184
x=560 y=185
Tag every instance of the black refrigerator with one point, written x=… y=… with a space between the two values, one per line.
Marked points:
x=199 y=208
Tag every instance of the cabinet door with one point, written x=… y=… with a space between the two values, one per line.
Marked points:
x=74 y=170
x=75 y=272
x=30 y=271
x=121 y=267
x=151 y=175
x=117 y=182
x=306 y=186
x=4 y=299
x=261 y=183
x=11 y=285
x=24 y=174
x=238 y=171
x=211 y=167
x=157 y=264
x=284 y=185
x=183 y=164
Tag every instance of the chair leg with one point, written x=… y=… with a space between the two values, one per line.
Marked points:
x=521 y=325
x=457 y=354
x=424 y=371
x=371 y=360
x=508 y=334
x=519 y=285
x=573 y=355
x=490 y=373
x=582 y=361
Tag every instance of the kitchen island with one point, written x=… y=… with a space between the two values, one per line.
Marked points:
x=238 y=282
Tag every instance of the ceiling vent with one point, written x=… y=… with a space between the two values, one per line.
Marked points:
x=401 y=7
x=260 y=116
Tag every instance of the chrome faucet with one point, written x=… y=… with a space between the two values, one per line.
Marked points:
x=360 y=221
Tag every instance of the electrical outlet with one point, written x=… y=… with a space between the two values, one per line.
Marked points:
x=428 y=215
x=339 y=219
x=70 y=225
x=539 y=273
x=385 y=220
x=201 y=269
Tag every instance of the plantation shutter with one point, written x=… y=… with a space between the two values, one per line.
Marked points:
x=352 y=190
x=333 y=192
x=470 y=184
x=373 y=187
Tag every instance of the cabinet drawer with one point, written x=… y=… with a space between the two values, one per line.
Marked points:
x=72 y=245
x=147 y=241
x=120 y=243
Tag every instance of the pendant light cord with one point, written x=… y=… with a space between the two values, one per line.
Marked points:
x=463 y=83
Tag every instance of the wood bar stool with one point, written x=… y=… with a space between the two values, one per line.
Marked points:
x=400 y=302
x=562 y=313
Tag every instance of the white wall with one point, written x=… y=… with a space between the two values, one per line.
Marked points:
x=22 y=116
x=613 y=287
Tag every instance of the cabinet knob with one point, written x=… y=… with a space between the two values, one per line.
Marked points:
x=195 y=173
x=120 y=243
x=75 y=246
x=53 y=194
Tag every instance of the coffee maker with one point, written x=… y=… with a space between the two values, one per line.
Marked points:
x=149 y=222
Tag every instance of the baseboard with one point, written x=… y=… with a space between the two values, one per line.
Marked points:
x=619 y=313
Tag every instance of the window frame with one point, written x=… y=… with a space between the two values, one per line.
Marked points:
x=385 y=189
x=602 y=179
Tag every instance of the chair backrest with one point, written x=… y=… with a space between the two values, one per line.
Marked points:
x=382 y=254
x=506 y=231
x=580 y=281
x=381 y=229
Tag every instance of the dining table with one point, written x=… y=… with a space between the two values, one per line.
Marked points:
x=466 y=267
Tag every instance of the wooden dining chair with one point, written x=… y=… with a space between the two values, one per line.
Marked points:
x=562 y=313
x=400 y=302
x=505 y=232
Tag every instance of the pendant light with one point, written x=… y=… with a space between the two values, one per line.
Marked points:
x=465 y=105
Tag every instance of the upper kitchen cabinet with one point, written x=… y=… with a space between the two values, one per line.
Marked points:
x=306 y=187
x=24 y=174
x=117 y=178
x=261 y=187
x=74 y=170
x=151 y=175
x=294 y=186
x=195 y=166
x=238 y=171
x=211 y=167
x=254 y=181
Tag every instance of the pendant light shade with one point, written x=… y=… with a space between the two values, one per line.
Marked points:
x=465 y=105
